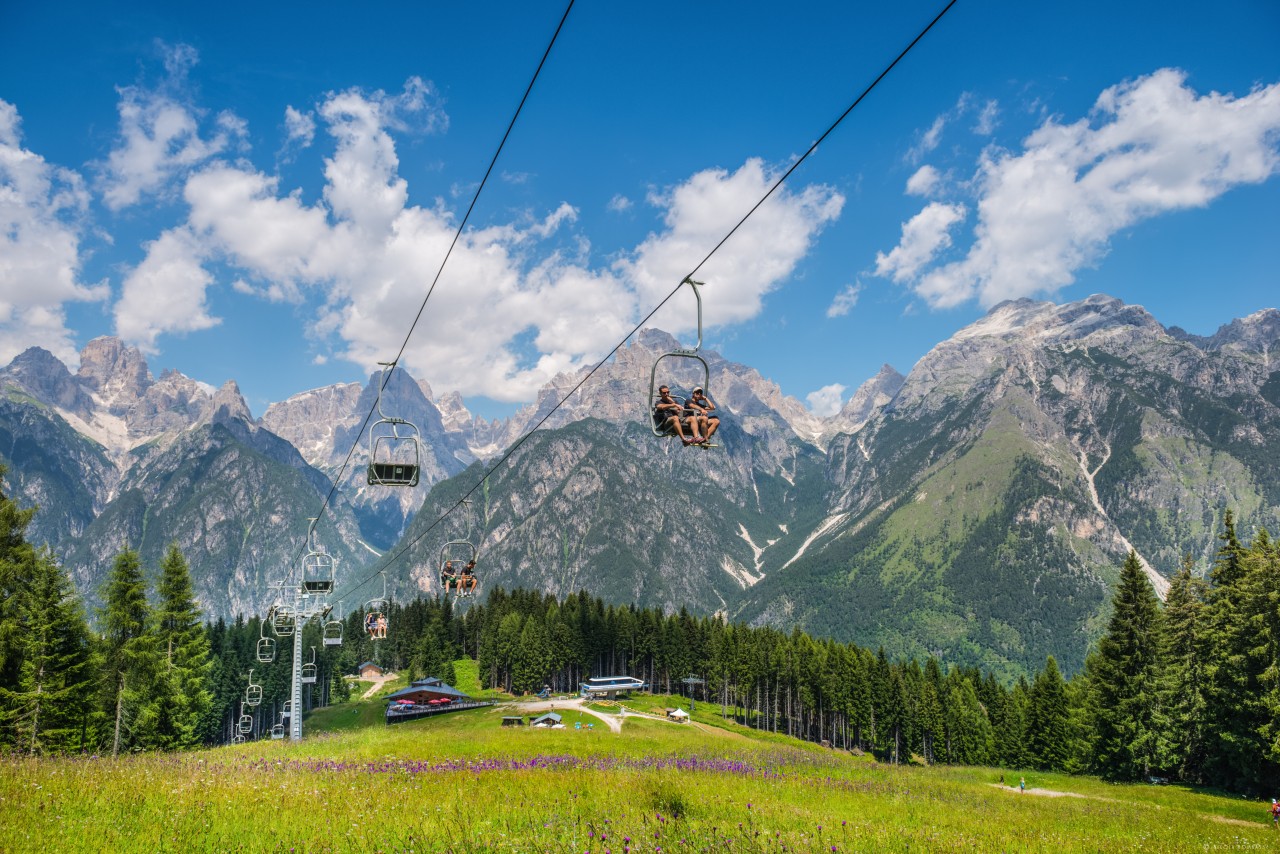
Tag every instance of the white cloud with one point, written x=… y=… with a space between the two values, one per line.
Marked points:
x=928 y=140
x=988 y=119
x=754 y=261
x=826 y=401
x=923 y=237
x=160 y=138
x=844 y=301
x=300 y=127
x=41 y=207
x=1151 y=146
x=166 y=292
x=923 y=181
x=618 y=204
x=511 y=310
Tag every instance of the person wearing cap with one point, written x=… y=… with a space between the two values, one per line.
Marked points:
x=670 y=415
x=703 y=412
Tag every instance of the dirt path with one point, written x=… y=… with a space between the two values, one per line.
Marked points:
x=613 y=721
x=1050 y=793
x=377 y=684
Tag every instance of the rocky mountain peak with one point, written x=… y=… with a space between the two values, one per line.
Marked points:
x=117 y=373
x=1257 y=333
x=1071 y=321
x=871 y=396
x=227 y=405
x=43 y=374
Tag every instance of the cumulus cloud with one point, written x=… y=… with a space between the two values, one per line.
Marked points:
x=826 y=401
x=41 y=211
x=759 y=256
x=844 y=301
x=159 y=138
x=923 y=237
x=619 y=203
x=1151 y=146
x=166 y=292
x=511 y=309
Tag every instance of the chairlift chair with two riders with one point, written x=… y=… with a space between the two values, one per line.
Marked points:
x=395 y=449
x=318 y=567
x=375 y=617
x=309 y=669
x=457 y=567
x=662 y=425
x=283 y=622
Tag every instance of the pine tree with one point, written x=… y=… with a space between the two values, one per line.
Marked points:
x=1233 y=744
x=184 y=650
x=17 y=564
x=49 y=702
x=129 y=651
x=1048 y=716
x=1183 y=688
x=1126 y=680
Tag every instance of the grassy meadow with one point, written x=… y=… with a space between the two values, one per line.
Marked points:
x=461 y=783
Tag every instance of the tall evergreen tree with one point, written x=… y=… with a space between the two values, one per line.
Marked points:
x=184 y=650
x=17 y=564
x=1185 y=649
x=1126 y=680
x=1048 y=720
x=129 y=649
x=1233 y=749
x=49 y=703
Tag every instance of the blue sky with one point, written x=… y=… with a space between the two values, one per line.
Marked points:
x=263 y=192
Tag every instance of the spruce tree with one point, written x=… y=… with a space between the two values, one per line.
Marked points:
x=1185 y=649
x=184 y=651
x=49 y=703
x=1233 y=747
x=17 y=564
x=1048 y=730
x=1126 y=680
x=129 y=649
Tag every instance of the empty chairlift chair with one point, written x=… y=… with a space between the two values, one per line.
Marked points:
x=309 y=669
x=318 y=567
x=253 y=693
x=395 y=449
x=266 y=646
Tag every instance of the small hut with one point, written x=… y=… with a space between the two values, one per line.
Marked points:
x=550 y=719
x=369 y=670
x=512 y=720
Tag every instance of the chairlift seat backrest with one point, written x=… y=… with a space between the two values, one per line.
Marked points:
x=393 y=474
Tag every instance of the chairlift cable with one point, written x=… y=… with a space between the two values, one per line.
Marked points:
x=457 y=235
x=388 y=561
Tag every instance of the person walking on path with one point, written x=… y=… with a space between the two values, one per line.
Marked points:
x=1022 y=785
x=1275 y=813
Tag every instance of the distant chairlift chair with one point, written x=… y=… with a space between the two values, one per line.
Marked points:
x=318 y=567
x=395 y=449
